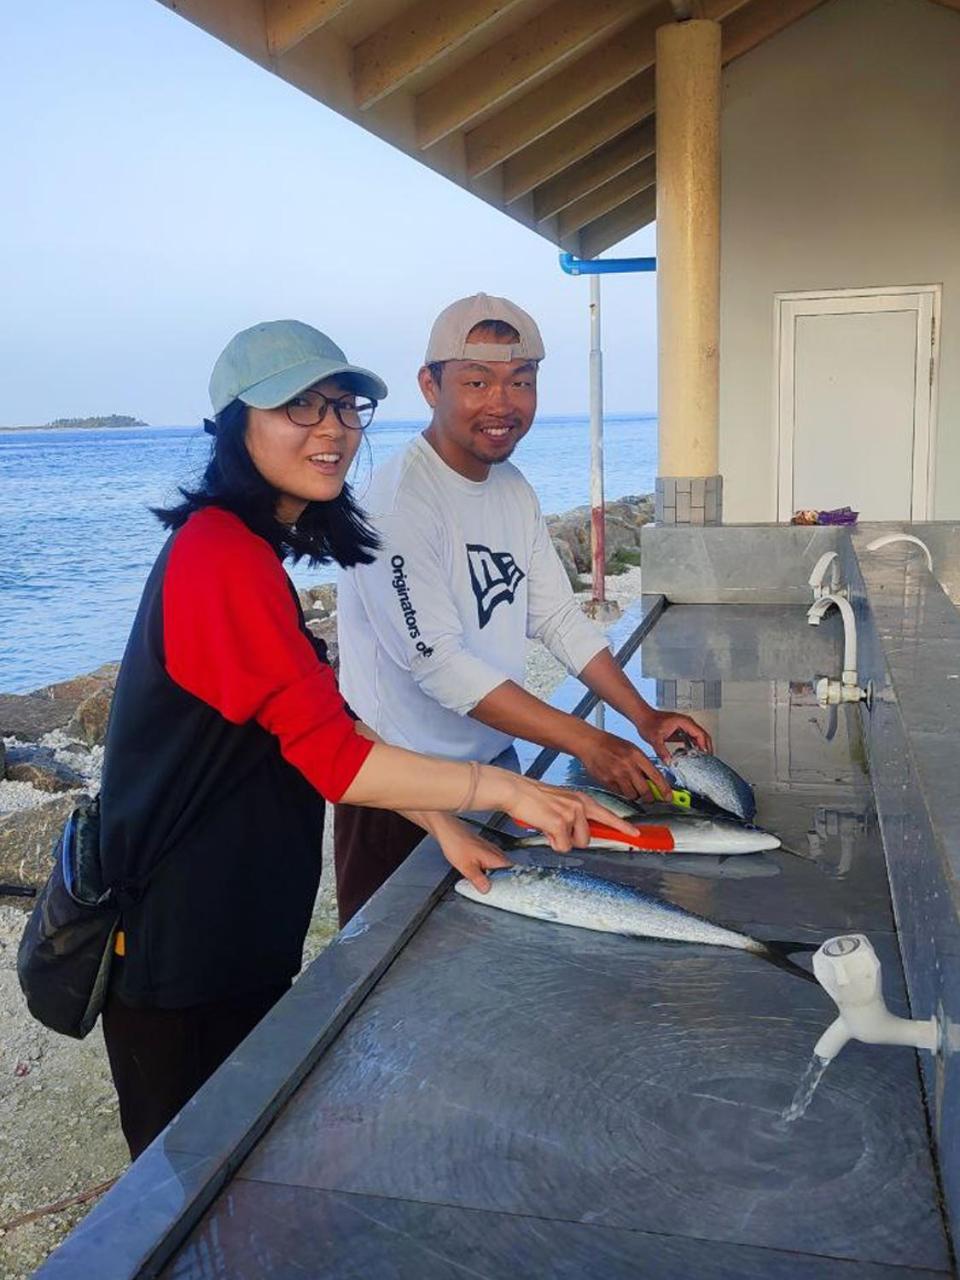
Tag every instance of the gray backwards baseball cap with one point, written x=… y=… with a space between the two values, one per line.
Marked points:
x=271 y=363
x=449 y=337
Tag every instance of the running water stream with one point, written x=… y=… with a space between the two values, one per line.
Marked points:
x=805 y=1089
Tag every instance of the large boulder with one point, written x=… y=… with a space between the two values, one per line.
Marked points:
x=324 y=597
x=70 y=693
x=27 y=838
x=623 y=519
x=574 y=530
x=88 y=723
x=569 y=563
x=39 y=767
x=319 y=602
x=325 y=629
x=28 y=716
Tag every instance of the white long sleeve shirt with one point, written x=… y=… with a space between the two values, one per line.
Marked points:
x=466 y=574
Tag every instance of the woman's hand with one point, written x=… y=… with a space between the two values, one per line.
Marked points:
x=561 y=814
x=467 y=852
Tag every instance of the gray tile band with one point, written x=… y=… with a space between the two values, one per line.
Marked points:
x=694 y=500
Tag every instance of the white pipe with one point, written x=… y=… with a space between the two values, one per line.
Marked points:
x=887 y=538
x=815 y=614
x=597 y=526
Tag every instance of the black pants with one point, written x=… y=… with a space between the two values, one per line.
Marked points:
x=159 y=1058
x=368 y=846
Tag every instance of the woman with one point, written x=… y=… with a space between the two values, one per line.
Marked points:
x=228 y=732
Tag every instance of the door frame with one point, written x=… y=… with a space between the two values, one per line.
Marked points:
x=791 y=305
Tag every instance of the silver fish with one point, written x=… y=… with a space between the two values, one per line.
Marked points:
x=619 y=805
x=690 y=835
x=705 y=866
x=706 y=775
x=586 y=901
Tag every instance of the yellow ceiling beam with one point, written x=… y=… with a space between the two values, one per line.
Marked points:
x=586 y=131
x=607 y=197
x=548 y=40
x=612 y=227
x=631 y=103
x=579 y=86
x=586 y=175
x=563 y=96
x=290 y=21
x=415 y=39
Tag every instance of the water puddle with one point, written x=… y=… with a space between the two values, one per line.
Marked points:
x=805 y=1089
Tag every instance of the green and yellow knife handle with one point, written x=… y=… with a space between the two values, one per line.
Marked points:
x=680 y=798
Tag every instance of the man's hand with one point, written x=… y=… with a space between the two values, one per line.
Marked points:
x=658 y=727
x=621 y=767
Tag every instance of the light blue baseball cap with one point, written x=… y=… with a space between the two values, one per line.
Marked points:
x=269 y=364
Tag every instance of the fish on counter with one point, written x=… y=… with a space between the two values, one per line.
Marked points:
x=585 y=901
x=705 y=775
x=675 y=835
x=705 y=866
x=689 y=832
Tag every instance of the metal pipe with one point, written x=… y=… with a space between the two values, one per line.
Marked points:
x=575 y=266
x=597 y=529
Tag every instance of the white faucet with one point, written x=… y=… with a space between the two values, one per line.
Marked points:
x=848 y=969
x=829 y=560
x=846 y=689
x=887 y=538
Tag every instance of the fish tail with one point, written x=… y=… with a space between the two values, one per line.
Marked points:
x=778 y=953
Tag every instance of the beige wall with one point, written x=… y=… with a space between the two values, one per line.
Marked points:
x=840 y=169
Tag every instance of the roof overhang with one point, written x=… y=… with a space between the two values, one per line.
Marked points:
x=545 y=109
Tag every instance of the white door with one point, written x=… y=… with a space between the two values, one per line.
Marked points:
x=855 y=401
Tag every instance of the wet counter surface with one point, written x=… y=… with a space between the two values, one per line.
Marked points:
x=518 y=1098
x=451 y=1090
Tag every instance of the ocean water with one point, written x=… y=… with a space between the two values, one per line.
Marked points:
x=77 y=539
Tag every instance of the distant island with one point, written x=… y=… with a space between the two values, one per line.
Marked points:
x=83 y=424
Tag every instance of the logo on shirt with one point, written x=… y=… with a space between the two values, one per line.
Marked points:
x=494 y=577
x=399 y=584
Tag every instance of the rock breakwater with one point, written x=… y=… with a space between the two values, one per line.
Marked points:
x=51 y=740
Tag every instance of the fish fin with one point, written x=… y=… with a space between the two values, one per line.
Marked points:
x=778 y=952
x=797 y=853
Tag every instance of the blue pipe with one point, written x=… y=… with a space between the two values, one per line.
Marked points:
x=574 y=266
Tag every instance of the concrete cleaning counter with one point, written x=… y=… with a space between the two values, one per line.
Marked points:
x=451 y=1090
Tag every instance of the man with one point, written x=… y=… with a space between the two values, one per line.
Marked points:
x=433 y=635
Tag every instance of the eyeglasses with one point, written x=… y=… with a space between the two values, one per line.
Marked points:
x=310 y=408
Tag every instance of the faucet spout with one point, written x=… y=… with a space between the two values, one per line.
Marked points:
x=888 y=538
x=848 y=969
x=829 y=560
x=815 y=615
x=832 y=1040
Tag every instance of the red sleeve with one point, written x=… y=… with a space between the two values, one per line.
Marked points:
x=232 y=638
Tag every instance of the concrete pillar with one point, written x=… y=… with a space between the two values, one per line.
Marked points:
x=689 y=488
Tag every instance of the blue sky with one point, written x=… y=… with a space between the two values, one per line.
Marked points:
x=161 y=192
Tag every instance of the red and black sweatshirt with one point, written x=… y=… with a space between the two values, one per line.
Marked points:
x=227 y=731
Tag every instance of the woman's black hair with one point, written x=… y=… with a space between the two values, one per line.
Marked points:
x=335 y=530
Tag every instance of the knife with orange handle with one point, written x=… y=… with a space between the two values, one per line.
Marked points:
x=649 y=839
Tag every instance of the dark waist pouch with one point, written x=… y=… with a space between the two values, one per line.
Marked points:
x=67 y=946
